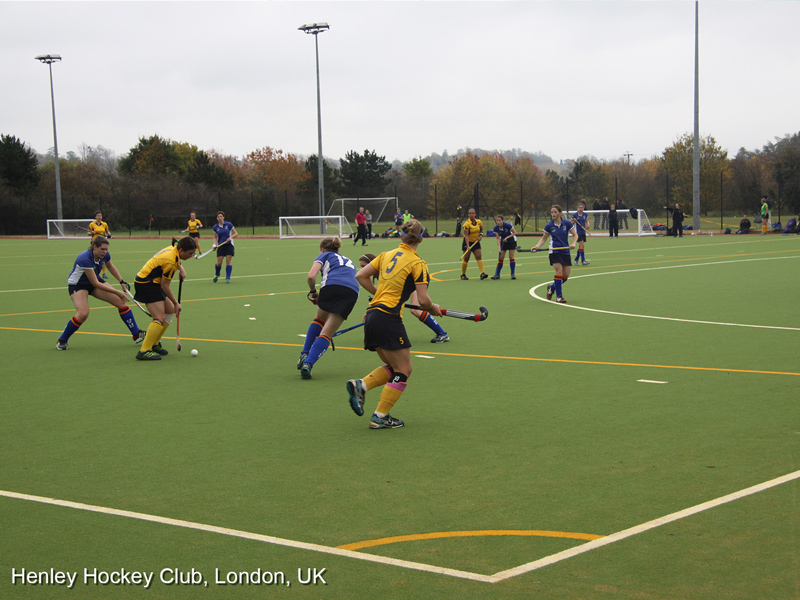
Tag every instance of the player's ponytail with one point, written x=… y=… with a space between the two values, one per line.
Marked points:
x=411 y=231
x=330 y=244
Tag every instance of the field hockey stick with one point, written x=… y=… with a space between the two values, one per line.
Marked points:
x=470 y=248
x=542 y=249
x=130 y=295
x=584 y=229
x=178 y=318
x=482 y=316
x=213 y=248
x=341 y=331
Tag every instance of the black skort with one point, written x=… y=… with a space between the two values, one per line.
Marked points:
x=385 y=331
x=337 y=299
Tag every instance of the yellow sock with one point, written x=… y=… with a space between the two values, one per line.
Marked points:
x=463 y=268
x=389 y=396
x=152 y=336
x=480 y=265
x=164 y=327
x=378 y=377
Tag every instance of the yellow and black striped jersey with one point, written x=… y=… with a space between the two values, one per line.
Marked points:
x=194 y=225
x=399 y=272
x=98 y=228
x=473 y=231
x=163 y=264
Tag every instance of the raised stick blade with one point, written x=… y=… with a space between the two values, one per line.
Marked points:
x=179 y=346
x=484 y=314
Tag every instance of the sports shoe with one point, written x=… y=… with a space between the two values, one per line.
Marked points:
x=387 y=422
x=495 y=276
x=549 y=292
x=61 y=345
x=227 y=280
x=139 y=337
x=513 y=277
x=484 y=276
x=215 y=279
x=561 y=300
x=105 y=275
x=576 y=262
x=305 y=371
x=149 y=355
x=303 y=357
x=159 y=349
x=464 y=277
x=586 y=262
x=357 y=391
x=440 y=339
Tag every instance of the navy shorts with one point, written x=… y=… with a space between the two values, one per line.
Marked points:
x=477 y=245
x=195 y=234
x=74 y=288
x=148 y=293
x=337 y=299
x=581 y=237
x=508 y=245
x=385 y=331
x=558 y=257
x=225 y=250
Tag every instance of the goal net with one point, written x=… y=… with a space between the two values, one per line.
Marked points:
x=631 y=221
x=381 y=209
x=314 y=227
x=68 y=229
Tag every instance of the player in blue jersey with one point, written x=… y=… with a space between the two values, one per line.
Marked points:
x=580 y=219
x=224 y=232
x=506 y=240
x=337 y=296
x=84 y=281
x=558 y=230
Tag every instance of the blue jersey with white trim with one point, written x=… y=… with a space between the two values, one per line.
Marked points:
x=581 y=218
x=559 y=235
x=337 y=270
x=504 y=231
x=223 y=231
x=85 y=261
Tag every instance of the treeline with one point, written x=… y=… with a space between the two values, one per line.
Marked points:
x=160 y=181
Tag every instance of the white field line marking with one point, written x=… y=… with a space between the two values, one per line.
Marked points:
x=650 y=381
x=423 y=356
x=251 y=536
x=611 y=312
x=621 y=535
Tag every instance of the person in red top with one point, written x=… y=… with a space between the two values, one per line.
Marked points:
x=361 y=221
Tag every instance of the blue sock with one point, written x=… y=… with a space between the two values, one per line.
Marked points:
x=557 y=285
x=218 y=269
x=498 y=269
x=311 y=335
x=318 y=348
x=126 y=314
x=428 y=319
x=513 y=266
x=228 y=271
x=72 y=326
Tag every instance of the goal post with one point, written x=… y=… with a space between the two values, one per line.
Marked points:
x=381 y=209
x=68 y=229
x=631 y=221
x=313 y=227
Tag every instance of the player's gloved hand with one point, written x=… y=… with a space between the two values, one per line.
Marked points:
x=213 y=246
x=312 y=297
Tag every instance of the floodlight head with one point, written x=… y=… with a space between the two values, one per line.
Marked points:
x=49 y=58
x=314 y=28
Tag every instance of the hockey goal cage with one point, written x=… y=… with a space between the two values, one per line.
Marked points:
x=313 y=227
x=68 y=229
x=631 y=221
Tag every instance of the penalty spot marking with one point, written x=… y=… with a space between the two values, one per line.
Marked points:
x=252 y=318
x=649 y=381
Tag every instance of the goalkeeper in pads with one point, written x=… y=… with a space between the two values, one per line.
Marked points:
x=400 y=272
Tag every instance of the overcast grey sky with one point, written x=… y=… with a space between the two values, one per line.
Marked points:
x=404 y=79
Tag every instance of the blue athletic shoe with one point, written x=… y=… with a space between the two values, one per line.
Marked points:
x=357 y=391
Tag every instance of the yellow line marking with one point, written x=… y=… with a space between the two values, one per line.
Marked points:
x=478 y=533
x=526 y=358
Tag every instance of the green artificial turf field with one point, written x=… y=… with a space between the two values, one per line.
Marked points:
x=548 y=452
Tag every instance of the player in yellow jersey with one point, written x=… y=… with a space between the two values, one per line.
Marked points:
x=473 y=232
x=193 y=229
x=97 y=228
x=153 y=289
x=400 y=273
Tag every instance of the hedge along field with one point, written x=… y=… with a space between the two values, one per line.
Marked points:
x=533 y=440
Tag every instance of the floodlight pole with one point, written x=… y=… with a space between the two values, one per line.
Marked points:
x=696 y=151
x=315 y=29
x=49 y=59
